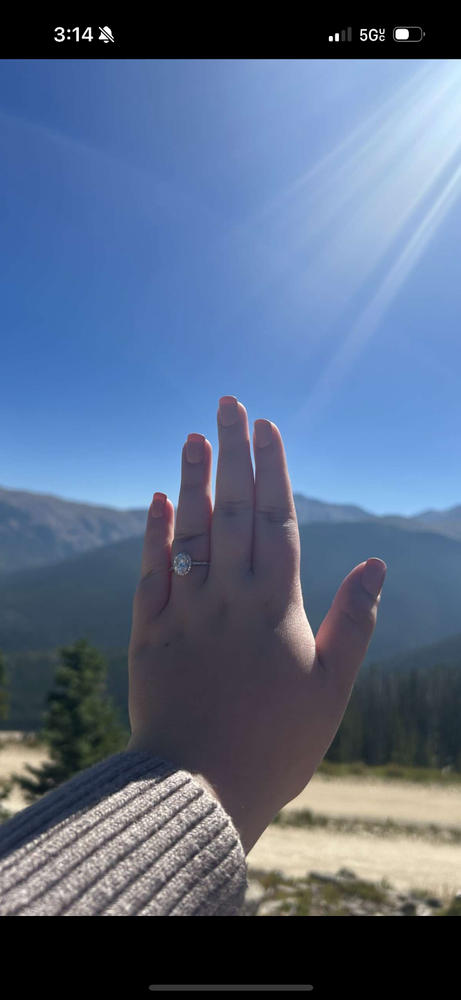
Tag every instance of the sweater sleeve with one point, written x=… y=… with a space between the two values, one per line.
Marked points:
x=133 y=835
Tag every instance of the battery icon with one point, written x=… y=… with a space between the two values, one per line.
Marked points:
x=408 y=34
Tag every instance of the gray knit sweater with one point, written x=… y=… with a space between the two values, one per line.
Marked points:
x=130 y=836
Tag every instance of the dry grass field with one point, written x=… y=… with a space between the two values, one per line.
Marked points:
x=13 y=758
x=421 y=859
x=406 y=862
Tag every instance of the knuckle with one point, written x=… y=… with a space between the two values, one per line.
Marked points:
x=189 y=486
x=183 y=536
x=218 y=615
x=150 y=575
x=232 y=508
x=274 y=514
x=360 y=615
x=272 y=611
x=233 y=449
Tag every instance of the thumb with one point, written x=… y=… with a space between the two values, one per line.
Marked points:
x=346 y=631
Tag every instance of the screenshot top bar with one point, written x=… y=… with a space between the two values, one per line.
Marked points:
x=189 y=38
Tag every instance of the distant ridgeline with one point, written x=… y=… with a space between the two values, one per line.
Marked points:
x=92 y=593
x=38 y=529
x=69 y=570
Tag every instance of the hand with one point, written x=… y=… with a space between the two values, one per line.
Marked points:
x=225 y=676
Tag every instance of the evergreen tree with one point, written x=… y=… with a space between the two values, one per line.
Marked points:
x=4 y=704
x=80 y=726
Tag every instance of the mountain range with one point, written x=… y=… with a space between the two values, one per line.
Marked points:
x=38 y=529
x=90 y=588
x=69 y=570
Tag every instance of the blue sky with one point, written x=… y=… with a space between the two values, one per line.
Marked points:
x=284 y=231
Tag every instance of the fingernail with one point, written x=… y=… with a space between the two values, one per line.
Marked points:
x=228 y=410
x=263 y=433
x=373 y=576
x=195 y=447
x=158 y=504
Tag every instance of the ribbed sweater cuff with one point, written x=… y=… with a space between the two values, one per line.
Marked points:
x=130 y=836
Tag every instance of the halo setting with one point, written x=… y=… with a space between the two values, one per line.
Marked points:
x=182 y=563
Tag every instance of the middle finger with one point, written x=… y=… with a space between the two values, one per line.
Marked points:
x=231 y=540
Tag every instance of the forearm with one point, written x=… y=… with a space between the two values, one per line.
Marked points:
x=132 y=835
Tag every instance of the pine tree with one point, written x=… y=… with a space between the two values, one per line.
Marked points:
x=3 y=683
x=80 y=726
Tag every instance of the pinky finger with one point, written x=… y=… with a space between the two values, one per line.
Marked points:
x=154 y=585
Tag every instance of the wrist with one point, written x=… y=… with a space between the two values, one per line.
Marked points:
x=248 y=823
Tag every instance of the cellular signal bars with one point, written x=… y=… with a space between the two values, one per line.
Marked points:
x=340 y=36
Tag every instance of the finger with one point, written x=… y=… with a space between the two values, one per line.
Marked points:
x=193 y=516
x=346 y=631
x=232 y=525
x=153 y=589
x=276 y=544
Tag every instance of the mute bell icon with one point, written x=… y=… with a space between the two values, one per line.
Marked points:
x=106 y=35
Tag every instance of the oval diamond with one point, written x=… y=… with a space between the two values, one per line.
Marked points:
x=182 y=563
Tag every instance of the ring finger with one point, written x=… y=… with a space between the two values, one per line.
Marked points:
x=193 y=516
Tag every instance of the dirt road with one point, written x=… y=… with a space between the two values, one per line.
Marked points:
x=403 y=802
